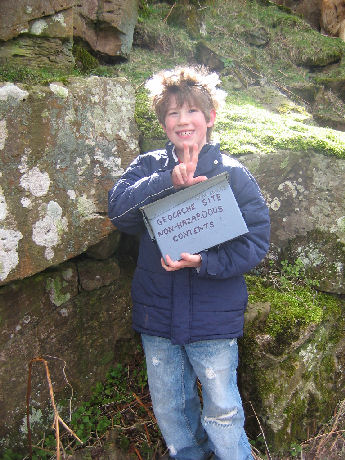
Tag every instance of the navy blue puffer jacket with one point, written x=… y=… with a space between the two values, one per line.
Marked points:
x=187 y=305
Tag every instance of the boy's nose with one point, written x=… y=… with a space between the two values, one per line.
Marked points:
x=183 y=118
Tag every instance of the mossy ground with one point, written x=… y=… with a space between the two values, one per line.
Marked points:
x=292 y=307
x=250 y=122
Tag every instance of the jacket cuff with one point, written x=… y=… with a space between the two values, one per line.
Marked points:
x=202 y=270
x=209 y=263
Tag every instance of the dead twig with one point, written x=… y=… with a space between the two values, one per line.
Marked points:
x=145 y=407
x=57 y=418
x=166 y=18
x=66 y=380
x=138 y=453
x=262 y=432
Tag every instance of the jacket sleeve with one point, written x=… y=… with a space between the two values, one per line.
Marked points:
x=139 y=185
x=238 y=256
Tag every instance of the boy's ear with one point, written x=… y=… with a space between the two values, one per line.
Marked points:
x=213 y=114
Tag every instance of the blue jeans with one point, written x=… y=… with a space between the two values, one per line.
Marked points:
x=192 y=434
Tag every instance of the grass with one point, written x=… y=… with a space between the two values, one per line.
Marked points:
x=244 y=126
x=33 y=76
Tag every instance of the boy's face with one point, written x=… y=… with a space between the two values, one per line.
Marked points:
x=186 y=125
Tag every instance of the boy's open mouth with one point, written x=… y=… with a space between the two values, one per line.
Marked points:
x=185 y=133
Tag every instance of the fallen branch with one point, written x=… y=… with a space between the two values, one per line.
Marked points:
x=145 y=407
x=262 y=432
x=57 y=418
x=166 y=18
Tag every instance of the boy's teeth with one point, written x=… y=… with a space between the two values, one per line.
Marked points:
x=186 y=133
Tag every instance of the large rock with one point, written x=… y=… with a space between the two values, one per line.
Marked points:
x=79 y=332
x=294 y=379
x=53 y=18
x=40 y=33
x=37 y=34
x=62 y=148
x=306 y=197
x=310 y=10
x=107 y=27
x=37 y=52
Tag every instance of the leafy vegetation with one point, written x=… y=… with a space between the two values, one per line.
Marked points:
x=119 y=407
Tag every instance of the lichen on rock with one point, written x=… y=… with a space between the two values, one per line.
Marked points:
x=71 y=142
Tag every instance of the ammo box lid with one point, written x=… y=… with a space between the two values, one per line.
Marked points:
x=195 y=218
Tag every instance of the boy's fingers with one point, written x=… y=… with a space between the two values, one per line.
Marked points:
x=170 y=265
x=190 y=153
x=198 y=179
x=179 y=175
x=185 y=153
x=183 y=171
x=195 y=154
x=193 y=160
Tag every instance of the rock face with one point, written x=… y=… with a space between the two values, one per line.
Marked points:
x=37 y=33
x=62 y=148
x=306 y=197
x=294 y=381
x=40 y=33
x=333 y=17
x=107 y=26
x=74 y=316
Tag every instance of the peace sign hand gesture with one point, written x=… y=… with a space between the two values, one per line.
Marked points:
x=183 y=173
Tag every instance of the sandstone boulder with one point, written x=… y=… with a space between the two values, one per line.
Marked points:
x=79 y=333
x=306 y=197
x=40 y=34
x=333 y=17
x=53 y=18
x=295 y=379
x=107 y=27
x=62 y=148
x=37 y=34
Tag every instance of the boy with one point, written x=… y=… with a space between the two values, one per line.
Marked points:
x=191 y=311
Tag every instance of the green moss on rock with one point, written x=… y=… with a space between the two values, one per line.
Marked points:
x=289 y=359
x=84 y=60
x=246 y=126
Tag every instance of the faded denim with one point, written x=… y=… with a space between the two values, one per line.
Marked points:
x=191 y=433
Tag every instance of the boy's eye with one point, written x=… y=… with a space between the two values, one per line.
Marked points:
x=193 y=110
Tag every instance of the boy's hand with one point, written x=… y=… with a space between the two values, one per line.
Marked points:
x=188 y=260
x=183 y=173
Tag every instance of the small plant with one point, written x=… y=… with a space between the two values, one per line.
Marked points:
x=295 y=450
x=295 y=273
x=146 y=9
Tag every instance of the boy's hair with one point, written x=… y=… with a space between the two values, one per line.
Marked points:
x=194 y=85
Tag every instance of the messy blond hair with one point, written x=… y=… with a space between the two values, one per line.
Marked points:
x=196 y=86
